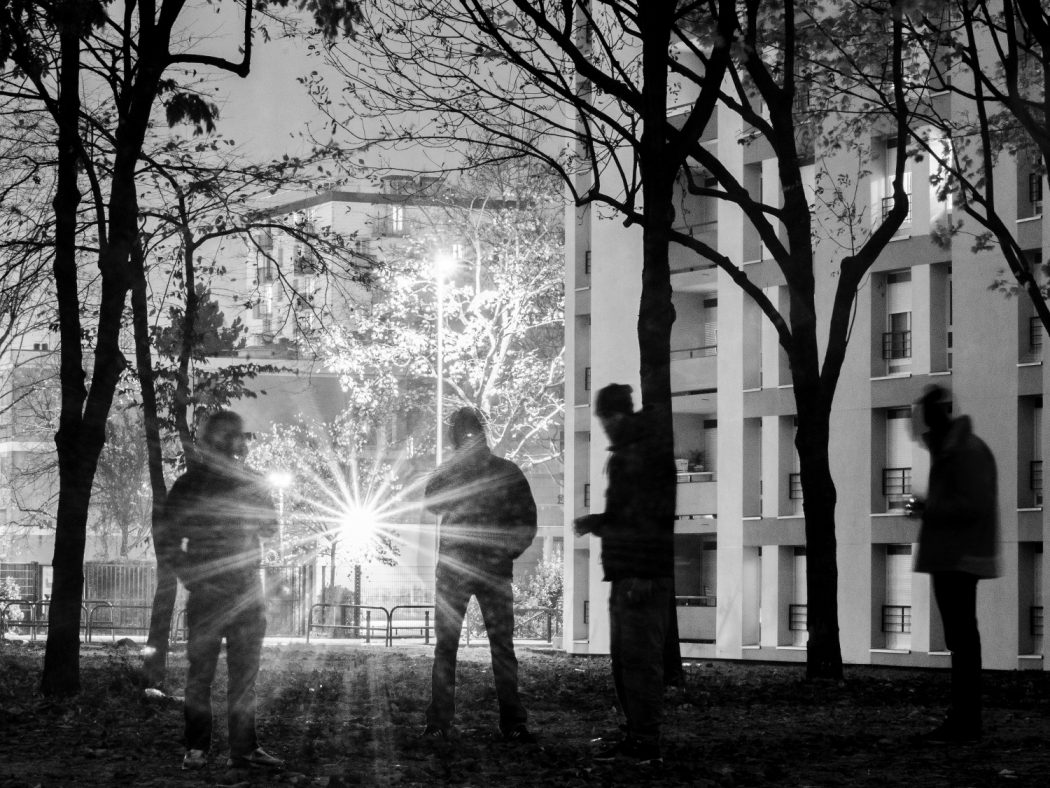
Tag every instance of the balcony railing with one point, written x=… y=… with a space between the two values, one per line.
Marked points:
x=896 y=486
x=887 y=206
x=896 y=345
x=695 y=352
x=896 y=619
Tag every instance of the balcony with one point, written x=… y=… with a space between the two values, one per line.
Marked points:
x=694 y=368
x=697 y=494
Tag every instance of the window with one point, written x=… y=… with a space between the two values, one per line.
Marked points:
x=896 y=343
x=1035 y=192
x=397 y=219
x=896 y=610
x=587 y=262
x=795 y=486
x=586 y=378
x=587 y=494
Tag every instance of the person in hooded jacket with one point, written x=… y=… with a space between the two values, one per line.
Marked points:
x=637 y=534
x=487 y=518
x=958 y=546
x=216 y=516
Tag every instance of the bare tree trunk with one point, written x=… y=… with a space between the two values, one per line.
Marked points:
x=163 y=608
x=61 y=674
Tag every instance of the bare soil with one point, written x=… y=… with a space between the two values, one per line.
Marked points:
x=351 y=716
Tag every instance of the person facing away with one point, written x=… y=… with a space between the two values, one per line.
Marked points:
x=487 y=518
x=637 y=533
x=958 y=546
x=217 y=515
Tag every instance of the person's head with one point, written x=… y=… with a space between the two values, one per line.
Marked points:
x=612 y=405
x=222 y=435
x=931 y=415
x=467 y=427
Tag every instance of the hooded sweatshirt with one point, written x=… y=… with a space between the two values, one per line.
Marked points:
x=960 y=524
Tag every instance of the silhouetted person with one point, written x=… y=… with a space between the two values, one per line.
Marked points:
x=487 y=519
x=637 y=533
x=958 y=545
x=217 y=514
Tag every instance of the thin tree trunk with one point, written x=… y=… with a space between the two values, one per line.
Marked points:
x=154 y=665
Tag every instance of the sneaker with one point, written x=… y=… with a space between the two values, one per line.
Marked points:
x=950 y=733
x=519 y=734
x=257 y=758
x=194 y=760
x=436 y=732
x=642 y=753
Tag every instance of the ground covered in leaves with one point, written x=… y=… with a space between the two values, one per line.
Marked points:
x=351 y=716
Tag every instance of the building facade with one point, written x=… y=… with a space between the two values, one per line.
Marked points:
x=927 y=313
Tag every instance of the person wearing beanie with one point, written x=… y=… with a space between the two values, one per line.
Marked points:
x=958 y=546
x=637 y=533
x=487 y=518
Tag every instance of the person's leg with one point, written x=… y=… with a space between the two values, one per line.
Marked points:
x=643 y=611
x=956 y=595
x=452 y=593
x=204 y=635
x=615 y=643
x=244 y=639
x=674 y=673
x=497 y=608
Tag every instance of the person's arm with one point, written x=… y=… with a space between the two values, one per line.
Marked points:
x=521 y=516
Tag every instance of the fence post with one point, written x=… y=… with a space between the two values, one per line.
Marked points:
x=426 y=627
x=368 y=626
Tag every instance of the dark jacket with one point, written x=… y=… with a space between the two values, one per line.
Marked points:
x=215 y=520
x=488 y=515
x=637 y=529
x=960 y=524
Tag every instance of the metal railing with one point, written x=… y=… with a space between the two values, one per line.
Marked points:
x=1035 y=335
x=390 y=628
x=896 y=486
x=798 y=618
x=896 y=619
x=34 y=615
x=896 y=345
x=705 y=351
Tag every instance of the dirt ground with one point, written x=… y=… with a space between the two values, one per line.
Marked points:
x=351 y=716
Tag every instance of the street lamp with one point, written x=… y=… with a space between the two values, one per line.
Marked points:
x=281 y=480
x=443 y=264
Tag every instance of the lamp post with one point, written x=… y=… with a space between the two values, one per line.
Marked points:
x=281 y=480
x=443 y=264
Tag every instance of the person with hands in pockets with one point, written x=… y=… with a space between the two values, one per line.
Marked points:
x=487 y=518
x=216 y=516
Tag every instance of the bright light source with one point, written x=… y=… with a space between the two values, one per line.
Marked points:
x=358 y=527
x=282 y=480
x=444 y=264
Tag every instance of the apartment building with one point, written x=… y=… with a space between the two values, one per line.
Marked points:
x=927 y=313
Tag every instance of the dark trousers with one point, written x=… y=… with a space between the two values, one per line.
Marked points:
x=496 y=601
x=639 y=609
x=210 y=617
x=956 y=595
